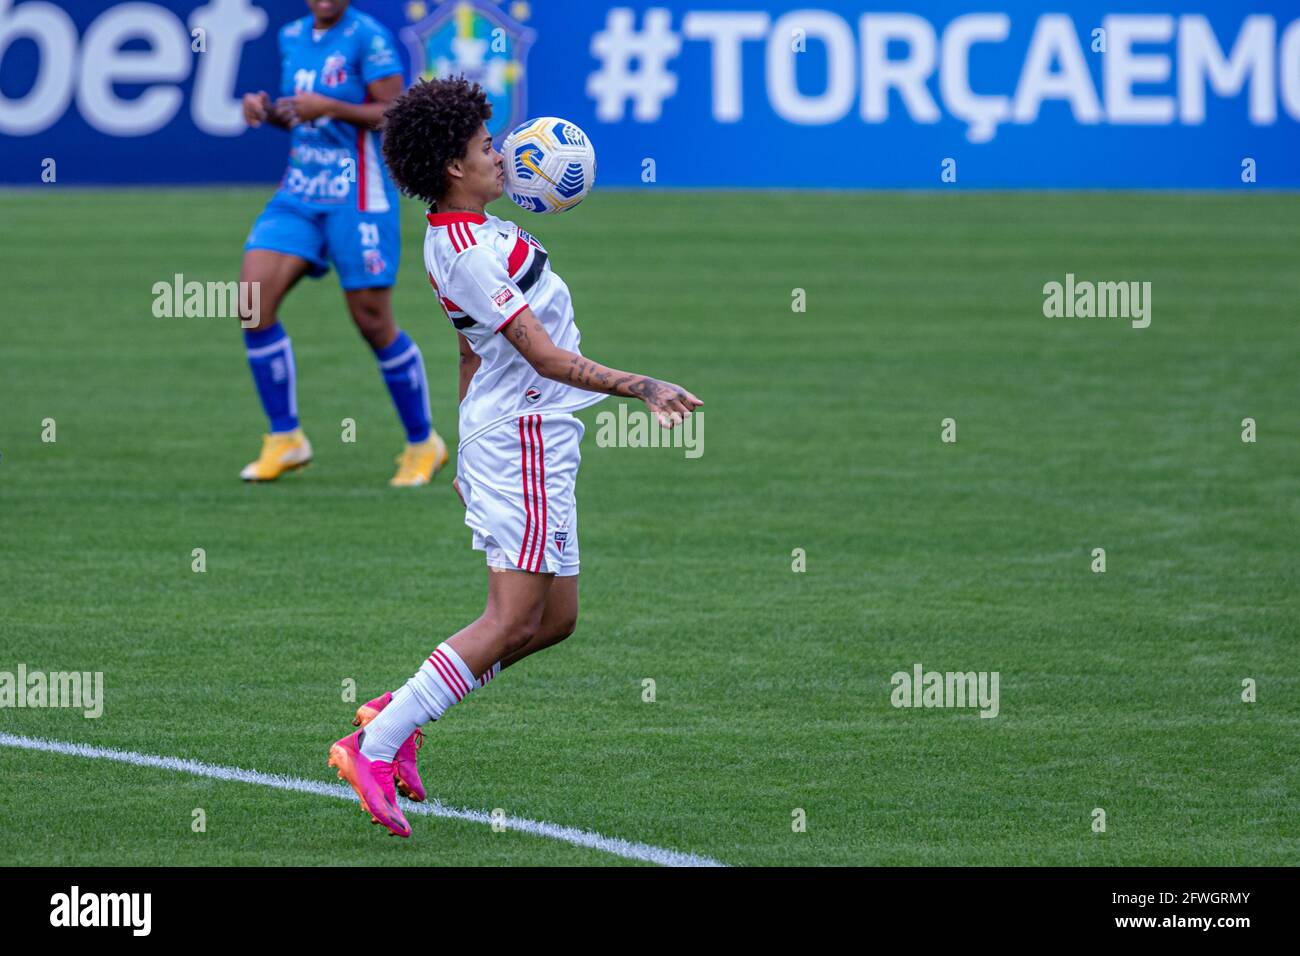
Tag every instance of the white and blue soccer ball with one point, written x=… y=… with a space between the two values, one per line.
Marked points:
x=550 y=165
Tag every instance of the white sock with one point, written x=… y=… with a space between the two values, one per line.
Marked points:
x=441 y=681
x=389 y=730
x=488 y=674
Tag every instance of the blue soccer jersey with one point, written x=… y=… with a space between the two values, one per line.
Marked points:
x=333 y=163
x=336 y=203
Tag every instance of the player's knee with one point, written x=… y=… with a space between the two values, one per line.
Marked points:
x=516 y=636
x=374 y=323
x=258 y=313
x=515 y=627
x=564 y=627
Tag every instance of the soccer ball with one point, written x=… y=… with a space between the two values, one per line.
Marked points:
x=550 y=165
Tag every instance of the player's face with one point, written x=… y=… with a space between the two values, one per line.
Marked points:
x=327 y=11
x=484 y=168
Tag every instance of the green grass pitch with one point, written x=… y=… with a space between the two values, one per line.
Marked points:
x=1119 y=691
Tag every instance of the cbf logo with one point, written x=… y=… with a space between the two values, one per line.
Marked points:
x=476 y=39
x=335 y=70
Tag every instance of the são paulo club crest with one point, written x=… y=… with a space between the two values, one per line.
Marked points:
x=560 y=538
x=479 y=40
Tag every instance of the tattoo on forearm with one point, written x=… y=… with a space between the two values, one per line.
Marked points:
x=593 y=376
x=518 y=333
x=587 y=374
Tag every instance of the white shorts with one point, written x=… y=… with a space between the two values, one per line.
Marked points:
x=518 y=479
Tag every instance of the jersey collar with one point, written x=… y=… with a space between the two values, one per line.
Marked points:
x=311 y=25
x=447 y=218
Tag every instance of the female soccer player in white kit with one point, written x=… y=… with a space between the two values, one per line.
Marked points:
x=521 y=379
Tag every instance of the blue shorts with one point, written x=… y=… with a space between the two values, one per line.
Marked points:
x=365 y=247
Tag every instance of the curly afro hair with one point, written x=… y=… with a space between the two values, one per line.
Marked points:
x=426 y=128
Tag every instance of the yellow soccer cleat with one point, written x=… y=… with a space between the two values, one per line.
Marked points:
x=281 y=452
x=420 y=462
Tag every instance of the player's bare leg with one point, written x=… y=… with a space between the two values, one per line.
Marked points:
x=402 y=366
x=558 y=620
x=275 y=273
x=516 y=605
x=513 y=617
x=270 y=357
x=372 y=313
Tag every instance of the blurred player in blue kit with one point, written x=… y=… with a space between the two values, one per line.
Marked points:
x=336 y=205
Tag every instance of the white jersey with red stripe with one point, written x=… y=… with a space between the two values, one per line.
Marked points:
x=485 y=271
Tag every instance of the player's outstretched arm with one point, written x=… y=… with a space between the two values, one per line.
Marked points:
x=670 y=403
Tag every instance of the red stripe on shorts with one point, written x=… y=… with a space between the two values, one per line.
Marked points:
x=541 y=455
x=528 y=511
x=537 y=521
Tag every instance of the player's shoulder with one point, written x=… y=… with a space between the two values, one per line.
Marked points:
x=367 y=27
x=296 y=28
x=461 y=235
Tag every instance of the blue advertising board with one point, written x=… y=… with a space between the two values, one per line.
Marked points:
x=708 y=93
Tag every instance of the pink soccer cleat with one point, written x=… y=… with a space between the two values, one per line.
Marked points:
x=373 y=782
x=405 y=768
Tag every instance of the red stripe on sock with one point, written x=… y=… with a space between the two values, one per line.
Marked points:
x=455 y=671
x=447 y=673
x=437 y=666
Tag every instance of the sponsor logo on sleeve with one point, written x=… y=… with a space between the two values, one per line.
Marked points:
x=502 y=295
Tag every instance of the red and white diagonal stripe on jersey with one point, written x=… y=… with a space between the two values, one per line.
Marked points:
x=448 y=306
x=532 y=460
x=518 y=256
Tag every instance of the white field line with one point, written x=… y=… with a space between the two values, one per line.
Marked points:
x=584 y=838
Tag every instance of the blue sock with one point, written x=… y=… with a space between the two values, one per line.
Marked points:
x=270 y=356
x=403 y=368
